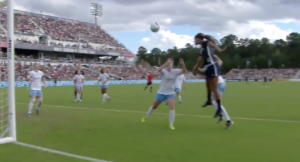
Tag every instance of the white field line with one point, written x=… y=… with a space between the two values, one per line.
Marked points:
x=201 y=116
x=60 y=152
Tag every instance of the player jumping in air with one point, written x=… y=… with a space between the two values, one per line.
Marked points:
x=104 y=77
x=78 y=83
x=265 y=80
x=166 y=89
x=35 y=78
x=212 y=71
x=221 y=89
x=208 y=91
x=149 y=82
x=179 y=84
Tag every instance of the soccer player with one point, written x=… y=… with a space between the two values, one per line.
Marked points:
x=78 y=83
x=104 y=77
x=75 y=92
x=35 y=77
x=179 y=83
x=212 y=72
x=149 y=82
x=55 y=81
x=265 y=80
x=221 y=89
x=247 y=79
x=166 y=89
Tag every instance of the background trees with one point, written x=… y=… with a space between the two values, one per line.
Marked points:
x=240 y=53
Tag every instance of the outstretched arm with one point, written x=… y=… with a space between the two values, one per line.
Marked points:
x=216 y=47
x=164 y=65
x=219 y=61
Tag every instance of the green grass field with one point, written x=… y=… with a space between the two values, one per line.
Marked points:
x=266 y=129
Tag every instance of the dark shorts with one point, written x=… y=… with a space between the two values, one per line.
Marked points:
x=149 y=83
x=212 y=71
x=55 y=81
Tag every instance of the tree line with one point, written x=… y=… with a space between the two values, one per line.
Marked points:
x=240 y=53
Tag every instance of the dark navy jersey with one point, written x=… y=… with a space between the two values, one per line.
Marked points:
x=206 y=54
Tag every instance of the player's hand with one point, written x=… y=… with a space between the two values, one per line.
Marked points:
x=181 y=61
x=194 y=72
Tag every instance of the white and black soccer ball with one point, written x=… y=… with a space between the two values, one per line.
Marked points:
x=154 y=27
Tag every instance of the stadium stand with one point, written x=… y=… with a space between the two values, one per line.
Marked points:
x=260 y=73
x=61 y=32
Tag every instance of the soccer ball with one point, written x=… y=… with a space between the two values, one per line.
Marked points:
x=154 y=27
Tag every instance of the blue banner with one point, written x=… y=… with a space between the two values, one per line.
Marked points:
x=95 y=82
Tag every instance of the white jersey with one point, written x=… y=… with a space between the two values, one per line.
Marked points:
x=168 y=79
x=179 y=80
x=221 y=80
x=78 y=78
x=103 y=78
x=36 y=79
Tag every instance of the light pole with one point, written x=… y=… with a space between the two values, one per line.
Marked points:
x=96 y=11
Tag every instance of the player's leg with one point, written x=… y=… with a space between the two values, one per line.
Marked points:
x=171 y=103
x=177 y=90
x=146 y=87
x=212 y=74
x=39 y=97
x=31 y=102
x=158 y=99
x=104 y=93
x=208 y=92
x=78 y=93
x=75 y=93
x=151 y=87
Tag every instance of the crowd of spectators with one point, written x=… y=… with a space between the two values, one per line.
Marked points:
x=128 y=72
x=60 y=30
x=260 y=73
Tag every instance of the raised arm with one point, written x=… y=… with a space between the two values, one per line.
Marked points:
x=210 y=39
x=164 y=65
x=183 y=68
x=216 y=47
x=219 y=61
x=44 y=80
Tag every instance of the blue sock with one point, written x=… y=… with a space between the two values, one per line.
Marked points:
x=219 y=105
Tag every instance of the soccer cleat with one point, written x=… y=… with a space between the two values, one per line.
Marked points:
x=102 y=102
x=143 y=119
x=172 y=127
x=80 y=100
x=228 y=124
x=37 y=111
x=28 y=115
x=179 y=102
x=207 y=103
x=220 y=119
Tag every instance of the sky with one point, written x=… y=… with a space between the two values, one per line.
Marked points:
x=129 y=20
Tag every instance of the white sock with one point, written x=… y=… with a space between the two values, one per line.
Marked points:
x=78 y=96
x=150 y=111
x=30 y=105
x=107 y=96
x=103 y=97
x=39 y=103
x=179 y=98
x=172 y=116
x=224 y=112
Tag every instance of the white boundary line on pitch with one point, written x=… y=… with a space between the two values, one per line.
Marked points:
x=142 y=112
x=60 y=152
